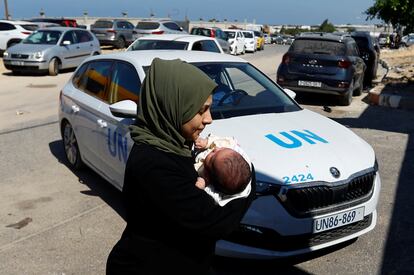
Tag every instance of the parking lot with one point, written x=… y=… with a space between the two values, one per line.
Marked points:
x=57 y=221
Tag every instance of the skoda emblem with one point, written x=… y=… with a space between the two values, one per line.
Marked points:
x=335 y=172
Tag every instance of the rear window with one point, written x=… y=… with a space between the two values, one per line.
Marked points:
x=103 y=24
x=201 y=31
x=148 y=25
x=29 y=27
x=310 y=46
x=140 y=45
x=230 y=34
x=362 y=42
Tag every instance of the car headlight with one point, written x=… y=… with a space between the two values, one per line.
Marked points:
x=38 y=55
x=5 y=54
x=265 y=188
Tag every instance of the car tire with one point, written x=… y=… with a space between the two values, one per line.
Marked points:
x=120 y=43
x=70 y=146
x=244 y=50
x=346 y=98
x=54 y=66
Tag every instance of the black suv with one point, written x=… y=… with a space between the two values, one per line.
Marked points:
x=369 y=51
x=323 y=63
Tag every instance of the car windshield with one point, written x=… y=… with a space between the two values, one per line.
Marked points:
x=244 y=90
x=312 y=46
x=145 y=44
x=248 y=34
x=47 y=37
x=230 y=34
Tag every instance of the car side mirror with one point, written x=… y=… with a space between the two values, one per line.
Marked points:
x=290 y=93
x=66 y=43
x=124 y=108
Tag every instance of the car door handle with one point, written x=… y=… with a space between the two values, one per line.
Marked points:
x=102 y=123
x=75 y=108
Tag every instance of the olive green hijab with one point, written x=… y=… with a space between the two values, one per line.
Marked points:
x=172 y=93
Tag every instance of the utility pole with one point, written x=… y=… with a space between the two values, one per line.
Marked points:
x=6 y=10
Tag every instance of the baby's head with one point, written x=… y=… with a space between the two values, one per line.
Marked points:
x=227 y=170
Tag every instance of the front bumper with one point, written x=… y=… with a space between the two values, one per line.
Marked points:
x=269 y=231
x=25 y=65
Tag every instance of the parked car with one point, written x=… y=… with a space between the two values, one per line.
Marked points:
x=260 y=40
x=215 y=32
x=267 y=38
x=12 y=32
x=64 y=22
x=157 y=27
x=236 y=40
x=368 y=52
x=323 y=63
x=407 y=40
x=50 y=50
x=250 y=41
x=176 y=42
x=276 y=38
x=113 y=32
x=317 y=182
x=384 y=39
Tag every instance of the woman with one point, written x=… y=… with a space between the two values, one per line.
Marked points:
x=172 y=226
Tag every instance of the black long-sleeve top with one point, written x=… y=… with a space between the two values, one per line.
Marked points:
x=172 y=226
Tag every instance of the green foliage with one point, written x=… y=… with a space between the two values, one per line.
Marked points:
x=399 y=13
x=326 y=26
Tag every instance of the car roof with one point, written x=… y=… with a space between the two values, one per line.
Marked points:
x=144 y=58
x=61 y=28
x=323 y=36
x=176 y=37
x=17 y=22
x=232 y=30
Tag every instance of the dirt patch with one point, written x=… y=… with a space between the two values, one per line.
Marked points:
x=401 y=65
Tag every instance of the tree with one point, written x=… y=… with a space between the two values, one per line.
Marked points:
x=326 y=27
x=398 y=13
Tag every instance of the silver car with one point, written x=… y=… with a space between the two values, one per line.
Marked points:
x=51 y=49
x=117 y=33
x=157 y=27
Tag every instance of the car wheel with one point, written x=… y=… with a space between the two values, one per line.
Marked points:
x=53 y=66
x=244 y=50
x=70 y=145
x=120 y=44
x=346 y=98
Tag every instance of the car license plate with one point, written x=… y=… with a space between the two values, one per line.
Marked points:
x=310 y=83
x=99 y=34
x=338 y=220
x=17 y=63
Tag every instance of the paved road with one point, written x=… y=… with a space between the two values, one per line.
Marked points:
x=69 y=221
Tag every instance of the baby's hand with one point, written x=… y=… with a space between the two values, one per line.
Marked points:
x=200 y=183
x=201 y=143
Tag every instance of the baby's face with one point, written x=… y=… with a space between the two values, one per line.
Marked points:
x=215 y=156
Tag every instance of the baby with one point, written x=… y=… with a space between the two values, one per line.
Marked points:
x=223 y=167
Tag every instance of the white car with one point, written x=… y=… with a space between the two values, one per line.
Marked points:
x=236 y=40
x=176 y=42
x=12 y=32
x=250 y=41
x=317 y=182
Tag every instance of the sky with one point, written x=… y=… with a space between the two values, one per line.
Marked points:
x=292 y=12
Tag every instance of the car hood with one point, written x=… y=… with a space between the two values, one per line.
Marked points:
x=295 y=147
x=29 y=48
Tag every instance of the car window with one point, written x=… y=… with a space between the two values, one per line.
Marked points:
x=95 y=78
x=248 y=34
x=311 y=46
x=362 y=42
x=129 y=25
x=172 y=26
x=83 y=36
x=147 y=25
x=145 y=44
x=43 y=37
x=201 y=31
x=125 y=83
x=243 y=90
x=102 y=24
x=29 y=27
x=230 y=34
x=353 y=49
x=6 y=27
x=206 y=45
x=70 y=36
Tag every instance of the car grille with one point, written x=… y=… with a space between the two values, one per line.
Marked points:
x=269 y=239
x=20 y=56
x=316 y=200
